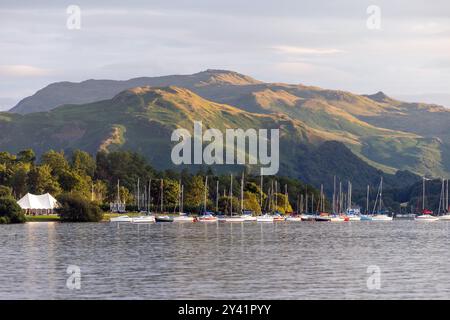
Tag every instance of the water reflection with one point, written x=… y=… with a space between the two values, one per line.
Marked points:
x=225 y=260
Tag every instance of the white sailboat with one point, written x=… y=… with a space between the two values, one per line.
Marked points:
x=264 y=218
x=182 y=217
x=143 y=219
x=366 y=216
x=335 y=216
x=427 y=215
x=123 y=218
x=116 y=205
x=206 y=216
x=232 y=217
x=246 y=215
x=380 y=216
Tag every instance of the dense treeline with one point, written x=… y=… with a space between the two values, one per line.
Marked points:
x=97 y=178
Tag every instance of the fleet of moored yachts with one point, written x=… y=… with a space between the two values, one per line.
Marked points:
x=209 y=217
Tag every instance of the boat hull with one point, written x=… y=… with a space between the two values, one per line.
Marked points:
x=294 y=219
x=164 y=219
x=445 y=217
x=121 y=219
x=144 y=219
x=426 y=218
x=232 y=219
x=183 y=219
x=381 y=218
x=322 y=219
x=248 y=218
x=264 y=218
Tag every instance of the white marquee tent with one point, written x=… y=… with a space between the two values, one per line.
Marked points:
x=38 y=204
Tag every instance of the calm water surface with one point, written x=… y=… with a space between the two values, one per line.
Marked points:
x=226 y=261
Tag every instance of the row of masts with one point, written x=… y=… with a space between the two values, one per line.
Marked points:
x=341 y=200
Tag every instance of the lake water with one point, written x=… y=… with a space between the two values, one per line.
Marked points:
x=226 y=261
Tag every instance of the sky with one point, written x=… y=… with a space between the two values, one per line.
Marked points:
x=320 y=43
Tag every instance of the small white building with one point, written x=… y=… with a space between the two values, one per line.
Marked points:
x=38 y=204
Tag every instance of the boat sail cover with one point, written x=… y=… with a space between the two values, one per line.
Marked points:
x=32 y=201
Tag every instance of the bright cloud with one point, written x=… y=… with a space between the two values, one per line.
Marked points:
x=22 y=71
x=306 y=51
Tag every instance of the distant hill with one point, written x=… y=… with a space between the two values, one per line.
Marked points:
x=386 y=133
x=143 y=118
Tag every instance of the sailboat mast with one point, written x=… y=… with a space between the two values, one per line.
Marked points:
x=231 y=195
x=334 y=195
x=446 y=197
x=138 y=202
x=423 y=194
x=206 y=191
x=118 y=190
x=261 y=192
x=285 y=198
x=381 y=193
x=217 y=196
x=306 y=202
x=150 y=195
x=242 y=193
x=162 y=195
x=182 y=199
x=367 y=199
x=276 y=192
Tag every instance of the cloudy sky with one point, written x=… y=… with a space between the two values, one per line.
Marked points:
x=322 y=43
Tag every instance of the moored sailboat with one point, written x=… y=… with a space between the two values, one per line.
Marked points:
x=380 y=215
x=427 y=215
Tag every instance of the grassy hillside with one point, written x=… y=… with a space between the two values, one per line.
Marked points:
x=142 y=119
x=386 y=133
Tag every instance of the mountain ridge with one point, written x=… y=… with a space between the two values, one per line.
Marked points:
x=386 y=133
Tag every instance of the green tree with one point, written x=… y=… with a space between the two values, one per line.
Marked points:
x=171 y=192
x=56 y=161
x=41 y=181
x=225 y=204
x=100 y=191
x=6 y=158
x=10 y=211
x=83 y=163
x=5 y=191
x=251 y=202
x=26 y=156
x=74 y=208
x=18 y=178
x=281 y=203
x=195 y=192
x=75 y=182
